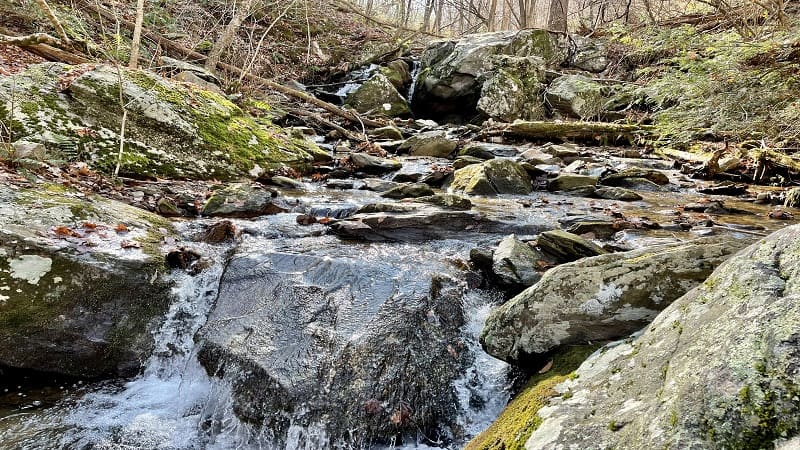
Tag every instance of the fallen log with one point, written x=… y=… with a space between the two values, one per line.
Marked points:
x=582 y=131
x=325 y=122
x=233 y=70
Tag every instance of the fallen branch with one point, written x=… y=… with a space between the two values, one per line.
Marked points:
x=29 y=40
x=233 y=70
x=583 y=131
x=323 y=121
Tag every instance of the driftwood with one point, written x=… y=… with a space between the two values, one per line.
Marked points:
x=323 y=121
x=44 y=45
x=581 y=131
x=199 y=58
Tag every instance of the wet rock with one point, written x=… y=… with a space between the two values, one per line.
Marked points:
x=448 y=201
x=567 y=182
x=512 y=88
x=321 y=339
x=734 y=339
x=563 y=151
x=378 y=97
x=373 y=164
x=287 y=182
x=496 y=176
x=389 y=132
x=174 y=130
x=729 y=163
x=167 y=207
x=464 y=161
x=575 y=96
x=536 y=156
x=602 y=298
x=590 y=55
x=408 y=191
x=305 y=219
x=725 y=188
x=219 y=232
x=398 y=73
x=617 y=193
x=515 y=263
x=617 y=179
x=241 y=200
x=339 y=184
x=182 y=258
x=378 y=185
x=601 y=229
x=78 y=297
x=566 y=247
x=429 y=143
x=487 y=150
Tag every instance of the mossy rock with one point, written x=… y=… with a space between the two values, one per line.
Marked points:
x=173 y=130
x=76 y=296
x=576 y=96
x=495 y=176
x=379 y=97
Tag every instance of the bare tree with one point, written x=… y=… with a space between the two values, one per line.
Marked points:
x=53 y=20
x=243 y=10
x=557 y=20
x=133 y=63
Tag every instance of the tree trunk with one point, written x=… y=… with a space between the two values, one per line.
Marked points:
x=133 y=63
x=439 y=12
x=245 y=8
x=426 y=19
x=522 y=17
x=53 y=20
x=368 y=9
x=490 y=16
x=557 y=19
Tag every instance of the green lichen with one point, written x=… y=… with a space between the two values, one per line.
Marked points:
x=519 y=419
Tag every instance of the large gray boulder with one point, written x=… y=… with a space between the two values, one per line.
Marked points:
x=172 y=129
x=515 y=263
x=601 y=298
x=351 y=341
x=378 y=97
x=495 y=176
x=449 y=85
x=512 y=88
x=77 y=296
x=576 y=96
x=429 y=143
x=718 y=368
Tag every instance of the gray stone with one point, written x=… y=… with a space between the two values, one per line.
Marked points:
x=464 y=161
x=566 y=247
x=617 y=193
x=378 y=97
x=389 y=132
x=447 y=201
x=512 y=88
x=74 y=299
x=496 y=176
x=591 y=55
x=429 y=143
x=570 y=181
x=652 y=175
x=408 y=191
x=515 y=262
x=373 y=164
x=575 y=96
x=398 y=73
x=487 y=150
x=241 y=200
x=716 y=369
x=602 y=298
x=287 y=182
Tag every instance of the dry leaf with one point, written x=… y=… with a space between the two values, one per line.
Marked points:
x=65 y=231
x=89 y=225
x=130 y=244
x=546 y=367
x=121 y=228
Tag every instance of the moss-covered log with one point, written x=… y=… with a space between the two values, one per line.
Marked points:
x=579 y=131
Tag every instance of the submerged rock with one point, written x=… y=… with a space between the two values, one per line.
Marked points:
x=351 y=344
x=496 y=176
x=80 y=294
x=241 y=200
x=716 y=369
x=172 y=130
x=601 y=298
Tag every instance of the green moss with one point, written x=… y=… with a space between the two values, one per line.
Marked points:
x=519 y=419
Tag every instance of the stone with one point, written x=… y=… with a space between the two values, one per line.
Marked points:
x=512 y=88
x=496 y=176
x=378 y=185
x=566 y=247
x=652 y=175
x=77 y=297
x=488 y=150
x=617 y=193
x=715 y=369
x=408 y=191
x=575 y=96
x=373 y=164
x=429 y=143
x=173 y=130
x=167 y=207
x=570 y=181
x=241 y=200
x=389 y=132
x=321 y=337
x=398 y=73
x=792 y=199
x=536 y=156
x=514 y=263
x=191 y=77
x=599 y=299
x=590 y=55
x=378 y=97
x=287 y=182
x=447 y=201
x=464 y=161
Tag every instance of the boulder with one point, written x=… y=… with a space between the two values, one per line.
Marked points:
x=464 y=161
x=412 y=190
x=398 y=73
x=602 y=298
x=566 y=247
x=496 y=176
x=378 y=97
x=652 y=175
x=320 y=339
x=364 y=162
x=448 y=85
x=173 y=129
x=487 y=150
x=429 y=143
x=389 y=132
x=590 y=55
x=617 y=193
x=716 y=369
x=512 y=88
x=447 y=201
x=576 y=96
x=79 y=295
x=569 y=181
x=241 y=200
x=514 y=263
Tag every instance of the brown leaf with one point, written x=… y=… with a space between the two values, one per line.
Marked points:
x=121 y=228
x=546 y=367
x=130 y=244
x=89 y=225
x=65 y=231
